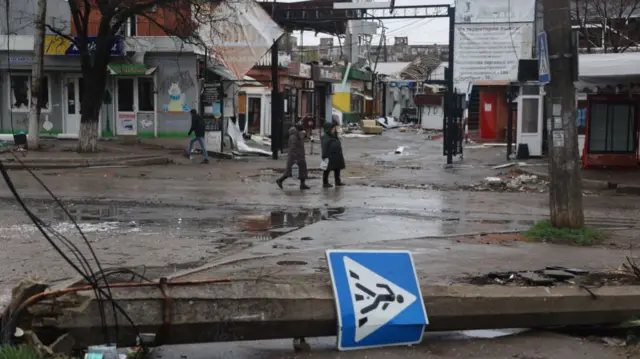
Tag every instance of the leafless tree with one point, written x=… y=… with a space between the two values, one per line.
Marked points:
x=96 y=24
x=607 y=25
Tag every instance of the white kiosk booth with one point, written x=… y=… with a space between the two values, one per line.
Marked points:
x=530 y=128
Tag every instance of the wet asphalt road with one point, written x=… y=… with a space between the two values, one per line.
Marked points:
x=165 y=220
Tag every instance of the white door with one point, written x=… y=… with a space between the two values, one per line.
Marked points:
x=530 y=116
x=265 y=120
x=73 y=99
x=126 y=112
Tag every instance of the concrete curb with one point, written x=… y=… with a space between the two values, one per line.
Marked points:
x=587 y=183
x=80 y=163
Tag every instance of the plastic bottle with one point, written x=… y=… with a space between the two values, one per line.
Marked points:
x=295 y=170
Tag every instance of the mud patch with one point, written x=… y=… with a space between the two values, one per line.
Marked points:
x=291 y=263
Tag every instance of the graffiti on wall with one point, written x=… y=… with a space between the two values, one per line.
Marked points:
x=175 y=87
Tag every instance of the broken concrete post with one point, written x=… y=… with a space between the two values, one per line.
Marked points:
x=250 y=310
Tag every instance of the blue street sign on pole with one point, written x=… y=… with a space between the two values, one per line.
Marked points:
x=378 y=298
x=544 y=75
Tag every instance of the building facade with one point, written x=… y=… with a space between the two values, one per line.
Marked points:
x=151 y=87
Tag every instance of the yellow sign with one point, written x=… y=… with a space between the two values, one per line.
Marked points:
x=56 y=45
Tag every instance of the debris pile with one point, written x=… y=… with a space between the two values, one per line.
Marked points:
x=511 y=182
x=556 y=275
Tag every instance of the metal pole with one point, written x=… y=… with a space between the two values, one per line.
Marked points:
x=276 y=120
x=384 y=99
x=449 y=141
x=509 y=123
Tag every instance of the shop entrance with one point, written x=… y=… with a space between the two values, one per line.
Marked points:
x=530 y=115
x=73 y=100
x=254 y=113
x=135 y=106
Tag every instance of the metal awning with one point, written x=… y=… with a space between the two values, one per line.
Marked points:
x=223 y=72
x=366 y=97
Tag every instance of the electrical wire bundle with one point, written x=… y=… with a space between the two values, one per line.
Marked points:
x=82 y=265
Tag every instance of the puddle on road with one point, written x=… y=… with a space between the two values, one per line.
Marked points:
x=279 y=223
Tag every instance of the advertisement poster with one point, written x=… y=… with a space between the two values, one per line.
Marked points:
x=127 y=124
x=214 y=141
x=490 y=52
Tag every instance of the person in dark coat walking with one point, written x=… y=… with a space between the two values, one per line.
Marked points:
x=198 y=127
x=332 y=151
x=296 y=156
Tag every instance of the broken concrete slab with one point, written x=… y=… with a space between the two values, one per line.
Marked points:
x=536 y=279
x=558 y=274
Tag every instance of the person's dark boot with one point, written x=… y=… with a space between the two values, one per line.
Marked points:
x=339 y=182
x=279 y=182
x=303 y=186
x=205 y=161
x=325 y=180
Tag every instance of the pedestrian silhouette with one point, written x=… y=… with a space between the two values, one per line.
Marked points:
x=387 y=299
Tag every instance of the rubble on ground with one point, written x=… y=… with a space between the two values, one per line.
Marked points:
x=555 y=276
x=512 y=181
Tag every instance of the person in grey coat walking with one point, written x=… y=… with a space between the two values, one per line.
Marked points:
x=296 y=157
x=332 y=152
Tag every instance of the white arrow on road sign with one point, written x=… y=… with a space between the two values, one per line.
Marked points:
x=375 y=299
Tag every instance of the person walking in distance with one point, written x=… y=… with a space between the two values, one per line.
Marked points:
x=296 y=160
x=332 y=152
x=197 y=127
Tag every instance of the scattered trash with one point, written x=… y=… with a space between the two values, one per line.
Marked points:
x=356 y=135
x=399 y=150
x=388 y=122
x=510 y=164
x=513 y=181
x=241 y=146
x=613 y=342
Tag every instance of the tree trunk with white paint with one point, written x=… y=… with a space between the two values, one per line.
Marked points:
x=88 y=136
x=89 y=120
x=36 y=77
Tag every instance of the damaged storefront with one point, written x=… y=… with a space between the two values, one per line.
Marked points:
x=62 y=86
x=323 y=78
x=611 y=100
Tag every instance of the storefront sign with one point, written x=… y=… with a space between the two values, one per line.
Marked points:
x=409 y=84
x=21 y=60
x=327 y=74
x=211 y=93
x=490 y=52
x=58 y=45
x=299 y=70
x=127 y=69
x=357 y=85
x=127 y=124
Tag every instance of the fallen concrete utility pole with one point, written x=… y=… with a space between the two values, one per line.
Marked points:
x=204 y=311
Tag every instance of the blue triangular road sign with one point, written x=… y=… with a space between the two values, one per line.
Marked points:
x=377 y=297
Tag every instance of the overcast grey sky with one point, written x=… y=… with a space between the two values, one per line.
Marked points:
x=419 y=31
